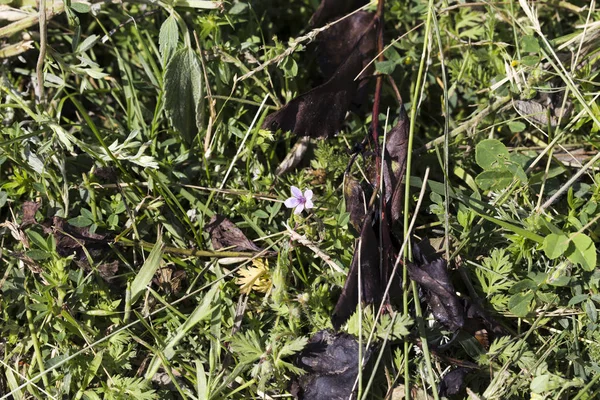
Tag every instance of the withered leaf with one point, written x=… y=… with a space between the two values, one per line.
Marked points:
x=106 y=174
x=396 y=150
x=224 y=234
x=355 y=202
x=330 y=361
x=331 y=9
x=366 y=257
x=29 y=210
x=439 y=291
x=453 y=382
x=70 y=239
x=320 y=112
x=108 y=270
x=339 y=40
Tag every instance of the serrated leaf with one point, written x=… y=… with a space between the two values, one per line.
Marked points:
x=555 y=245
x=494 y=179
x=293 y=347
x=491 y=154
x=183 y=92
x=145 y=274
x=582 y=251
x=520 y=304
x=167 y=38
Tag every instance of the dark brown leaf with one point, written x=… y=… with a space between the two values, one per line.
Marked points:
x=108 y=270
x=106 y=174
x=330 y=363
x=339 y=40
x=355 y=202
x=320 y=112
x=332 y=9
x=440 y=294
x=224 y=234
x=396 y=150
x=454 y=382
x=29 y=210
x=366 y=257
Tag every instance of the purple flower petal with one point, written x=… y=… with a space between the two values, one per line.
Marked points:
x=308 y=204
x=299 y=208
x=308 y=194
x=292 y=202
x=297 y=193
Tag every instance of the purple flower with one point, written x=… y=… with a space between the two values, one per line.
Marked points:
x=300 y=201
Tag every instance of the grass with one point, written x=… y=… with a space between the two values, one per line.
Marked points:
x=149 y=124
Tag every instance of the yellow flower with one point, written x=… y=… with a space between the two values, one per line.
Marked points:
x=255 y=278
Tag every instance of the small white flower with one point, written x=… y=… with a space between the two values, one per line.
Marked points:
x=300 y=201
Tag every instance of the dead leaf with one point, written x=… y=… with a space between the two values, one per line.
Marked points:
x=29 y=210
x=330 y=362
x=225 y=234
x=453 y=382
x=355 y=202
x=441 y=297
x=366 y=257
x=320 y=112
x=396 y=151
x=108 y=270
x=331 y=9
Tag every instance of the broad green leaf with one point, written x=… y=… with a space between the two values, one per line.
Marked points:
x=529 y=44
x=491 y=154
x=494 y=179
x=555 y=245
x=80 y=221
x=183 y=92
x=90 y=373
x=144 y=276
x=81 y=8
x=520 y=304
x=582 y=251
x=167 y=38
x=516 y=126
x=540 y=384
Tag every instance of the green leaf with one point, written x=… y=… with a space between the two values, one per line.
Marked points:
x=80 y=221
x=516 y=126
x=38 y=255
x=555 y=245
x=183 y=92
x=168 y=38
x=491 y=154
x=144 y=276
x=81 y=8
x=540 y=383
x=529 y=44
x=582 y=251
x=520 y=304
x=494 y=179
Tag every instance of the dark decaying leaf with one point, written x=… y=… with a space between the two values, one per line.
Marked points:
x=396 y=150
x=29 y=210
x=339 y=40
x=433 y=277
x=224 y=234
x=330 y=362
x=108 y=270
x=320 y=112
x=355 y=202
x=453 y=382
x=106 y=174
x=366 y=257
x=332 y=9
x=71 y=240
